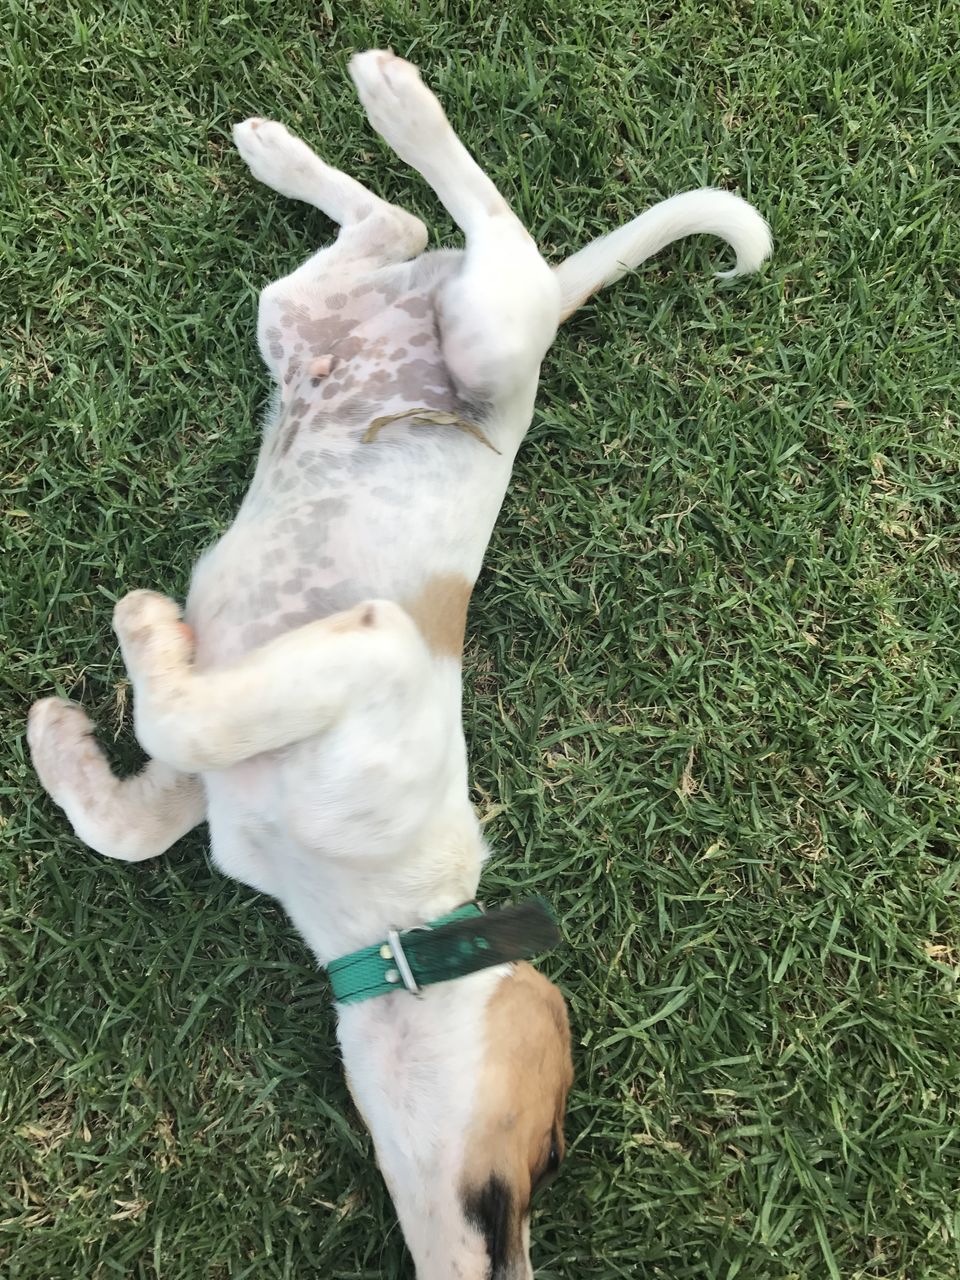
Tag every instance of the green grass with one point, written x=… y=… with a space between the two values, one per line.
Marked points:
x=712 y=680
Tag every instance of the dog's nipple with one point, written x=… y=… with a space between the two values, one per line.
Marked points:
x=320 y=366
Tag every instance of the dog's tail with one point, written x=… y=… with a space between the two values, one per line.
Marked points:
x=718 y=213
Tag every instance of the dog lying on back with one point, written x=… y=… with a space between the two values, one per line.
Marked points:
x=309 y=707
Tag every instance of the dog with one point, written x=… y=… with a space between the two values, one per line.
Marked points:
x=307 y=705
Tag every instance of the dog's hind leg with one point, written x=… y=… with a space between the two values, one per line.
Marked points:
x=372 y=232
x=286 y=163
x=128 y=818
x=500 y=312
x=292 y=688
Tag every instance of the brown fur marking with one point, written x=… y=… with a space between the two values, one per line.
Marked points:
x=526 y=1076
x=440 y=611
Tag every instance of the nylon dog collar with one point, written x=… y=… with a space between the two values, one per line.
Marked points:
x=449 y=947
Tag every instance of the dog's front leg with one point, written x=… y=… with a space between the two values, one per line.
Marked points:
x=293 y=688
x=128 y=818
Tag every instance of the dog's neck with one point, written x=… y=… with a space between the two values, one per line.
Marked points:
x=413 y=1063
x=342 y=904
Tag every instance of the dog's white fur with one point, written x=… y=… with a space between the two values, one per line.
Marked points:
x=310 y=709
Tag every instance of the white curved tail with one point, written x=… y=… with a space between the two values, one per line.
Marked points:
x=709 y=211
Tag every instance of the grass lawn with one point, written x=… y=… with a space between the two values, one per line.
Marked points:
x=712 y=679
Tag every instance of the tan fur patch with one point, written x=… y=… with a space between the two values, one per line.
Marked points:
x=522 y=1094
x=440 y=611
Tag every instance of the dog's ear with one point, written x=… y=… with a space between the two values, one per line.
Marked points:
x=515 y=1141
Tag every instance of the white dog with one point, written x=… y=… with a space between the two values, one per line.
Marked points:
x=309 y=708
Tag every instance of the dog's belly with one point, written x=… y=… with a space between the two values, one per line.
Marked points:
x=353 y=345
x=348 y=503
x=338 y=371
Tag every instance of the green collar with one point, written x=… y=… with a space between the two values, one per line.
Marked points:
x=449 y=947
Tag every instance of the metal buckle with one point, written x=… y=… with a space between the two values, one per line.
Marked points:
x=400 y=960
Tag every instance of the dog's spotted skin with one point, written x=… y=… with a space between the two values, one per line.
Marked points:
x=378 y=340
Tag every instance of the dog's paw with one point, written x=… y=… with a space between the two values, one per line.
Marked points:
x=152 y=637
x=399 y=105
x=62 y=748
x=278 y=158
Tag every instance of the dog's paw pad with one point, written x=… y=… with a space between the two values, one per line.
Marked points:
x=59 y=738
x=141 y=611
x=399 y=105
x=151 y=633
x=277 y=157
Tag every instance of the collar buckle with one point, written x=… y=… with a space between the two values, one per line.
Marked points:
x=460 y=944
x=399 y=957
